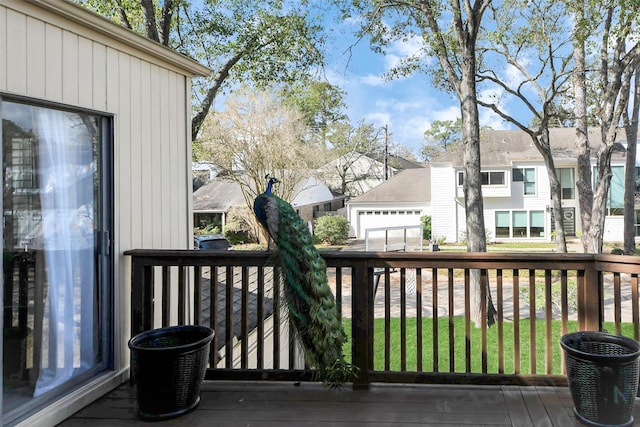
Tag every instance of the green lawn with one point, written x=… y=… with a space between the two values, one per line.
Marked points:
x=459 y=345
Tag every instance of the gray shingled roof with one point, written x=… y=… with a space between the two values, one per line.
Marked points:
x=501 y=147
x=218 y=195
x=410 y=185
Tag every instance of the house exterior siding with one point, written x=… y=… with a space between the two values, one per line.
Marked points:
x=56 y=52
x=447 y=211
x=509 y=197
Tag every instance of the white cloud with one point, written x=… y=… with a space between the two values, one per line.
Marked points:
x=372 y=80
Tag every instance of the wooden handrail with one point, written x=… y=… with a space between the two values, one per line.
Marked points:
x=358 y=269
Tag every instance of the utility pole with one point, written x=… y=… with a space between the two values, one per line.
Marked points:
x=386 y=152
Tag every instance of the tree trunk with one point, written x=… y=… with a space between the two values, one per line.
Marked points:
x=472 y=188
x=631 y=133
x=583 y=152
x=556 y=192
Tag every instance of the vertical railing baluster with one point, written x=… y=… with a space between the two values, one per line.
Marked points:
x=197 y=295
x=403 y=320
x=166 y=295
x=484 y=286
x=532 y=321
x=260 y=320
x=434 y=316
x=516 y=322
x=635 y=311
x=548 y=319
x=182 y=300
x=452 y=353
x=387 y=319
x=228 y=327
x=277 y=307
x=244 y=321
x=617 y=303
x=214 y=356
x=467 y=320
x=419 y=320
x=500 y=301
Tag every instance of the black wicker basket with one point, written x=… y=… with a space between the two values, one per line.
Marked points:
x=602 y=371
x=168 y=367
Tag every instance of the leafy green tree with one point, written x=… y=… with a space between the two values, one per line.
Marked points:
x=257 y=42
x=441 y=136
x=426 y=226
x=321 y=103
x=332 y=229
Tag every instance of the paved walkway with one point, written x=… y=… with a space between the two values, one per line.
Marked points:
x=440 y=306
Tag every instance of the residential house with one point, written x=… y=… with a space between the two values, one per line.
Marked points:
x=212 y=202
x=97 y=161
x=203 y=172
x=353 y=174
x=516 y=193
x=400 y=201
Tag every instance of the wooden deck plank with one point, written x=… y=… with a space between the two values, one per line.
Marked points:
x=516 y=406
x=287 y=405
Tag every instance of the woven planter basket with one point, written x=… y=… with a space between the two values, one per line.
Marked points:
x=168 y=366
x=602 y=371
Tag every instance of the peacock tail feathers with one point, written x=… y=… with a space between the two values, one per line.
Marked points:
x=311 y=303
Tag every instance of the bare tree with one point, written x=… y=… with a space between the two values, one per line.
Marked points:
x=355 y=150
x=520 y=33
x=612 y=24
x=256 y=135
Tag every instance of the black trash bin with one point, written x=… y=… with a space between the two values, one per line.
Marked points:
x=602 y=371
x=168 y=367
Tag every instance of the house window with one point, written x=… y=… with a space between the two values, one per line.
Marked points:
x=56 y=212
x=615 y=201
x=616 y=192
x=536 y=224
x=316 y=208
x=486 y=178
x=327 y=207
x=567 y=183
x=492 y=178
x=528 y=177
x=519 y=224
x=503 y=224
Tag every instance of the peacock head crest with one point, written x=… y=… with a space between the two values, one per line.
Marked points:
x=272 y=180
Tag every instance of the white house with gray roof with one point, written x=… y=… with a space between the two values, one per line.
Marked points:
x=516 y=193
x=399 y=201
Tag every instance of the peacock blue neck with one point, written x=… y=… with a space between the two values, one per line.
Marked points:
x=269 y=189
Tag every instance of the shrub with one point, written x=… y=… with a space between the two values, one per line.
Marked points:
x=426 y=227
x=332 y=229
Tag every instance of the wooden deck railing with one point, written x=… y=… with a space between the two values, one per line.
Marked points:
x=408 y=315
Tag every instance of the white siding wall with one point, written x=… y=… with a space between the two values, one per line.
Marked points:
x=446 y=215
x=59 y=57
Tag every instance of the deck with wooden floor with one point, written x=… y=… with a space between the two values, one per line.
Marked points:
x=280 y=404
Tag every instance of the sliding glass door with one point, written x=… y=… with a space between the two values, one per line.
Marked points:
x=56 y=264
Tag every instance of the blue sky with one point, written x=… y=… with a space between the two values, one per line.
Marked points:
x=407 y=105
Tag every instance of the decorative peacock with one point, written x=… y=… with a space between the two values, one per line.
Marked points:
x=310 y=301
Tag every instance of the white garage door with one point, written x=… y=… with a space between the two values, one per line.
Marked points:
x=386 y=218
